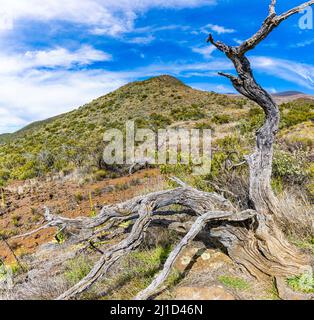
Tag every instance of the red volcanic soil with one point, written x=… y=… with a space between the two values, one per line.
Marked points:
x=23 y=210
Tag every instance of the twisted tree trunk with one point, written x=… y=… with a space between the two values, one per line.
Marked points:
x=263 y=251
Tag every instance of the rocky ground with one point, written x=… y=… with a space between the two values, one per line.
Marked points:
x=208 y=273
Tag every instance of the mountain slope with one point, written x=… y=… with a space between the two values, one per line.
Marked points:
x=74 y=139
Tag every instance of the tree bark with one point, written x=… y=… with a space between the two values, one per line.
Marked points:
x=263 y=250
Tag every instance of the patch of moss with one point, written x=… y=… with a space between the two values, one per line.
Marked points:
x=234 y=282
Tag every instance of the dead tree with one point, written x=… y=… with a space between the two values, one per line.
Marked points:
x=252 y=238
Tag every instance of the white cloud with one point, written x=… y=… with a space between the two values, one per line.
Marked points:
x=216 y=28
x=63 y=57
x=142 y=40
x=28 y=92
x=205 y=51
x=109 y=17
x=57 y=57
x=295 y=72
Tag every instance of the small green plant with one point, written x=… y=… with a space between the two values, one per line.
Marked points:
x=303 y=283
x=122 y=186
x=16 y=220
x=234 y=282
x=78 y=197
x=139 y=269
x=290 y=168
x=60 y=237
x=77 y=269
x=221 y=119
x=305 y=243
x=125 y=224
x=100 y=175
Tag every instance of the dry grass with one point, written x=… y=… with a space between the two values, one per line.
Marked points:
x=298 y=214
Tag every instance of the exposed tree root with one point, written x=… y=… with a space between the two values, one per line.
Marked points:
x=115 y=253
x=246 y=239
x=196 y=228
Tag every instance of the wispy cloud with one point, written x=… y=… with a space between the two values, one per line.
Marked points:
x=142 y=40
x=108 y=17
x=217 y=29
x=302 y=44
x=292 y=71
x=206 y=52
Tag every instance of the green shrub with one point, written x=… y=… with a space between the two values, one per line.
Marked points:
x=77 y=269
x=187 y=113
x=16 y=220
x=159 y=120
x=204 y=125
x=27 y=171
x=303 y=283
x=289 y=168
x=100 y=175
x=221 y=119
x=297 y=113
x=78 y=197
x=252 y=123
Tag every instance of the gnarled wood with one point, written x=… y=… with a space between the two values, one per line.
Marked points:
x=196 y=228
x=264 y=249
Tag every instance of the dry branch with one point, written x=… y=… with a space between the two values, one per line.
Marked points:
x=196 y=228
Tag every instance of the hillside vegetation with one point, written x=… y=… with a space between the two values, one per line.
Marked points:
x=39 y=166
x=74 y=140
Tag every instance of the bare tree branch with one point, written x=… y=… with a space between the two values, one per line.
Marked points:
x=272 y=9
x=295 y=10
x=269 y=24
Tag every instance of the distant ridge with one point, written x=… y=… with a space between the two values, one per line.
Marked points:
x=285 y=96
x=288 y=93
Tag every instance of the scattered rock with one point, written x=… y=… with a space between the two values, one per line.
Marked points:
x=203 y=293
x=201 y=259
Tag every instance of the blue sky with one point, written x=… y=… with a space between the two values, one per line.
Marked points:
x=56 y=55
